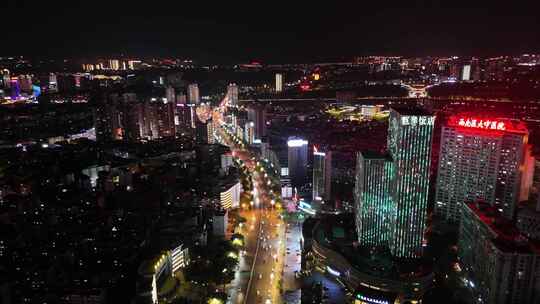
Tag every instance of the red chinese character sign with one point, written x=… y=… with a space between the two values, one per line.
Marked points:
x=492 y=124
x=482 y=124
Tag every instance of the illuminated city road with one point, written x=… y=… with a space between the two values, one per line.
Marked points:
x=259 y=278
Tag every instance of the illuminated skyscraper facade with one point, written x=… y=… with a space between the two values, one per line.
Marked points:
x=409 y=143
x=322 y=174
x=391 y=190
x=481 y=160
x=297 y=160
x=375 y=210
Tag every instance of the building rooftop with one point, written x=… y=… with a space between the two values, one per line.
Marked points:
x=376 y=155
x=507 y=237
x=412 y=110
x=475 y=122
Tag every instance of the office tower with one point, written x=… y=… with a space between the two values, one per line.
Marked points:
x=279 y=82
x=114 y=64
x=193 y=94
x=249 y=132
x=297 y=160
x=232 y=92
x=257 y=114
x=480 y=159
x=499 y=264
x=322 y=174
x=466 y=72
x=375 y=210
x=409 y=141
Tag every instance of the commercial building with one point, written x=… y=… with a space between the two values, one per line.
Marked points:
x=409 y=141
x=375 y=210
x=500 y=264
x=322 y=174
x=193 y=94
x=279 y=82
x=297 y=160
x=482 y=159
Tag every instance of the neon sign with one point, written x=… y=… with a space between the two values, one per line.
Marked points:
x=482 y=124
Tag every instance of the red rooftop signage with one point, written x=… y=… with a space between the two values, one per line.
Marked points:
x=493 y=124
x=482 y=124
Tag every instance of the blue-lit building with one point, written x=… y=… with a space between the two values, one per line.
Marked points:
x=375 y=210
x=391 y=190
x=409 y=142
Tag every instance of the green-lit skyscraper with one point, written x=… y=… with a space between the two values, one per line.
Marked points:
x=375 y=210
x=391 y=190
x=409 y=143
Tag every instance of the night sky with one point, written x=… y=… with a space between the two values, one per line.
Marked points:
x=270 y=31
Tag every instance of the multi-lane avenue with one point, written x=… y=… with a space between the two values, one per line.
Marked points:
x=259 y=277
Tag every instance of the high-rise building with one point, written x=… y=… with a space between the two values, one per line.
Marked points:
x=257 y=114
x=466 y=72
x=297 y=160
x=279 y=82
x=375 y=210
x=499 y=264
x=409 y=142
x=232 y=92
x=193 y=94
x=481 y=159
x=249 y=132
x=322 y=174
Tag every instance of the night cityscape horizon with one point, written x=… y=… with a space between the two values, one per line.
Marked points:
x=231 y=153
